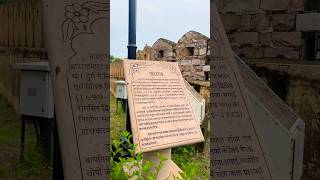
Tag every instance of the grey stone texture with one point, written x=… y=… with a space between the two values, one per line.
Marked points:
x=257 y=29
x=163 y=49
x=286 y=39
x=281 y=53
x=260 y=22
x=296 y=5
x=265 y=39
x=238 y=5
x=254 y=52
x=308 y=22
x=246 y=38
x=275 y=4
x=283 y=22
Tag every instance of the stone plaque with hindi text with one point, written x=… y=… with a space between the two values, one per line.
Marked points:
x=236 y=150
x=77 y=42
x=160 y=111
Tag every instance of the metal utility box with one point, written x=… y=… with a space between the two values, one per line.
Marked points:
x=197 y=102
x=121 y=90
x=36 y=96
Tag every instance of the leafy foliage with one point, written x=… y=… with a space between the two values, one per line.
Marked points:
x=190 y=168
x=113 y=59
x=132 y=163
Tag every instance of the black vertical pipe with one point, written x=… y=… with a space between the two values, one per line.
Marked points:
x=132 y=47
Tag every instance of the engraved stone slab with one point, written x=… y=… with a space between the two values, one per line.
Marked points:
x=236 y=151
x=77 y=37
x=160 y=110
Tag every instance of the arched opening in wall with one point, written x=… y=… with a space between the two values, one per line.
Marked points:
x=161 y=54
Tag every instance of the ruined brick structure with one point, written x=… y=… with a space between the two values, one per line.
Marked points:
x=191 y=52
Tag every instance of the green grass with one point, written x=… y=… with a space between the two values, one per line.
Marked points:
x=188 y=158
x=34 y=167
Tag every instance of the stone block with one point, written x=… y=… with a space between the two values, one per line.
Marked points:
x=265 y=39
x=282 y=53
x=196 y=61
x=231 y=22
x=245 y=22
x=186 y=73
x=296 y=5
x=196 y=52
x=251 y=52
x=283 y=22
x=199 y=73
x=308 y=22
x=203 y=62
x=275 y=5
x=198 y=68
x=246 y=38
x=260 y=22
x=203 y=51
x=238 y=5
x=287 y=39
x=184 y=62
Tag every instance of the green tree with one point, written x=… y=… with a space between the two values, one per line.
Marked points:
x=113 y=59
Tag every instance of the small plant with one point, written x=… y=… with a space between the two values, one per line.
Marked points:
x=126 y=164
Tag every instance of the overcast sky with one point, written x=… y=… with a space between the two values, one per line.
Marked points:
x=168 y=19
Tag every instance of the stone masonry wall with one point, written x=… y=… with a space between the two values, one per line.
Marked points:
x=263 y=28
x=191 y=52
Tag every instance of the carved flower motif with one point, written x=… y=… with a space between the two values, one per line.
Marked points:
x=77 y=13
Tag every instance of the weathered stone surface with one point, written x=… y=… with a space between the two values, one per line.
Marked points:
x=202 y=51
x=260 y=22
x=186 y=73
x=184 y=62
x=246 y=38
x=296 y=5
x=250 y=52
x=265 y=39
x=275 y=4
x=231 y=22
x=199 y=73
x=145 y=54
x=196 y=61
x=308 y=22
x=283 y=22
x=162 y=49
x=245 y=23
x=286 y=39
x=198 y=68
x=303 y=97
x=281 y=53
x=189 y=43
x=238 y=5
